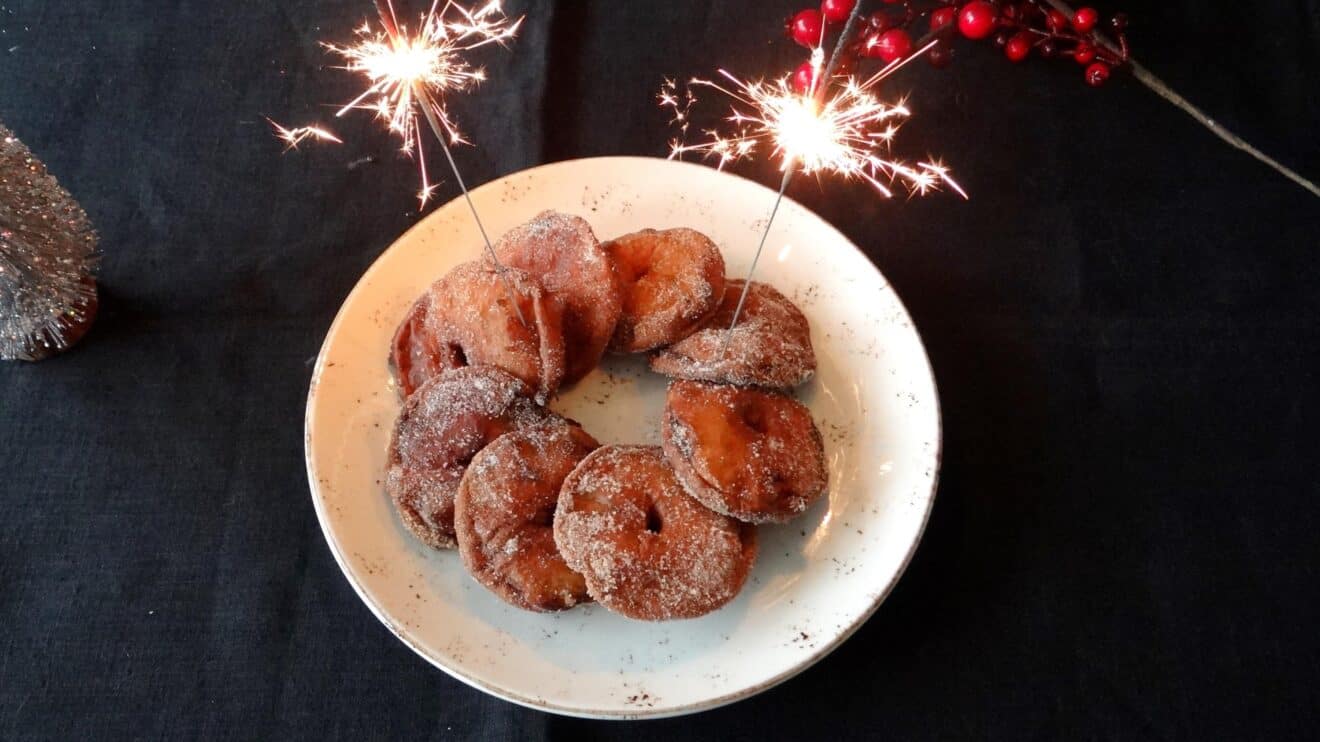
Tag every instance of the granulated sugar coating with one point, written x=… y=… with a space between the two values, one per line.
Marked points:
x=562 y=252
x=446 y=422
x=770 y=346
x=753 y=454
x=470 y=320
x=672 y=281
x=542 y=516
x=414 y=357
x=647 y=549
x=504 y=512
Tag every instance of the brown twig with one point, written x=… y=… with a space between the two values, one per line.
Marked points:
x=1150 y=80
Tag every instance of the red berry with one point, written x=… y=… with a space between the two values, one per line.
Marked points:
x=1018 y=48
x=1056 y=20
x=941 y=18
x=940 y=56
x=1097 y=74
x=1085 y=19
x=807 y=27
x=880 y=21
x=977 y=19
x=889 y=46
x=804 y=79
x=1119 y=22
x=1084 y=53
x=837 y=11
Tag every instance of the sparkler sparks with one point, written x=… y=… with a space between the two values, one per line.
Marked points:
x=847 y=134
x=296 y=136
x=410 y=71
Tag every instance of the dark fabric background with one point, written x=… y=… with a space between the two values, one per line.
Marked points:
x=1123 y=321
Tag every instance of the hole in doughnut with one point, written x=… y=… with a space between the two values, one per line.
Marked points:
x=653 y=520
x=545 y=517
x=754 y=418
x=458 y=355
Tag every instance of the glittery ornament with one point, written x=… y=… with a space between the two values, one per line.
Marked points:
x=47 y=259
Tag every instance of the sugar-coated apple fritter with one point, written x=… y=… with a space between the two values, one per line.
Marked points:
x=505 y=511
x=753 y=454
x=445 y=423
x=468 y=319
x=672 y=281
x=647 y=549
x=561 y=251
x=414 y=355
x=769 y=347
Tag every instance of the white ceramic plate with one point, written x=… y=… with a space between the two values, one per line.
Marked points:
x=818 y=578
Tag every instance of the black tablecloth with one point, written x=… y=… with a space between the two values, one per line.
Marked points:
x=1123 y=322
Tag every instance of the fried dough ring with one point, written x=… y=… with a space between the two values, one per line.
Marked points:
x=467 y=319
x=504 y=513
x=770 y=346
x=647 y=549
x=414 y=355
x=562 y=252
x=443 y=425
x=753 y=454
x=672 y=280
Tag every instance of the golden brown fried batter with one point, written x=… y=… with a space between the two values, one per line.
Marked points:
x=672 y=281
x=446 y=422
x=468 y=319
x=770 y=346
x=562 y=253
x=504 y=514
x=753 y=454
x=646 y=549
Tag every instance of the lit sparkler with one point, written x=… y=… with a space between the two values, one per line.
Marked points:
x=847 y=134
x=410 y=71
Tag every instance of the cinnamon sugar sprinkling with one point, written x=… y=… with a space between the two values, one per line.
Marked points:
x=753 y=454
x=673 y=279
x=443 y=425
x=646 y=549
x=770 y=346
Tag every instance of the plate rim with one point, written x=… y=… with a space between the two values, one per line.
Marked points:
x=540 y=704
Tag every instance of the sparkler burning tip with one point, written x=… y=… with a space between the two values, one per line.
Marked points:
x=410 y=70
x=847 y=134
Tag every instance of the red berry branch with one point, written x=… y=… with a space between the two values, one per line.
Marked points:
x=1020 y=27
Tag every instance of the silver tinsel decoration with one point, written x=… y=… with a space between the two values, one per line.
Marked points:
x=47 y=259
